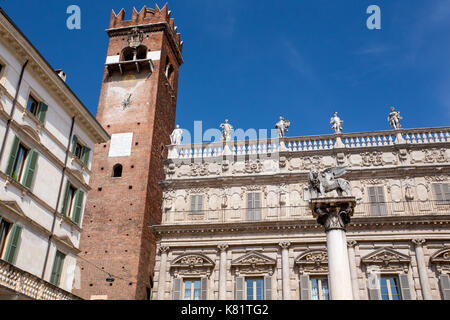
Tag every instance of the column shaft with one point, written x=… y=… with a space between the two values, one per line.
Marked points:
x=162 y=275
x=423 y=274
x=286 y=275
x=223 y=275
x=353 y=271
x=338 y=266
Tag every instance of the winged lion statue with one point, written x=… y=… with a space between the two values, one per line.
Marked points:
x=321 y=183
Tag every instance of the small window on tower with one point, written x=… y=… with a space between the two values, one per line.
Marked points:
x=117 y=171
x=128 y=54
x=141 y=53
x=169 y=71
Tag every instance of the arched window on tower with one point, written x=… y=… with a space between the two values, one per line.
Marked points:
x=141 y=53
x=117 y=171
x=169 y=69
x=128 y=54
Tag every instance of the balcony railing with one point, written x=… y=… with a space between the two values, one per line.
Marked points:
x=311 y=143
x=26 y=284
x=284 y=213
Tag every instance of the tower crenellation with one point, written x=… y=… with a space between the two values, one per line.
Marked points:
x=145 y=17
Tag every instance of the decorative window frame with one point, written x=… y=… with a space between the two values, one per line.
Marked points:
x=253 y=264
x=192 y=265
x=441 y=259
x=313 y=262
x=386 y=261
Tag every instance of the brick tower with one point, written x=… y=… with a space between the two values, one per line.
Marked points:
x=137 y=108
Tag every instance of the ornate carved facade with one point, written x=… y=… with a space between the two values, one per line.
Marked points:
x=252 y=200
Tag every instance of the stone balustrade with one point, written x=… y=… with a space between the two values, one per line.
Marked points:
x=24 y=283
x=313 y=143
x=286 y=213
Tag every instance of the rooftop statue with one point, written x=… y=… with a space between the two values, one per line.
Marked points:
x=282 y=126
x=321 y=183
x=336 y=123
x=226 y=131
x=176 y=135
x=394 y=119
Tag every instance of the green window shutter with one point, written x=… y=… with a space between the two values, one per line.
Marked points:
x=177 y=288
x=404 y=287
x=74 y=144
x=57 y=268
x=78 y=207
x=13 y=242
x=444 y=283
x=42 y=112
x=304 y=288
x=30 y=169
x=86 y=154
x=204 y=288
x=239 y=288
x=66 y=199
x=268 y=288
x=12 y=156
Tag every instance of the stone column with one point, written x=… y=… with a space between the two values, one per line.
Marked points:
x=223 y=271
x=353 y=272
x=334 y=214
x=423 y=274
x=285 y=267
x=162 y=272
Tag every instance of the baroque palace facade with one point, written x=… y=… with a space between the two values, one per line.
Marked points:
x=235 y=224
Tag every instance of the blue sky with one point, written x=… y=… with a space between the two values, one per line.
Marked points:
x=253 y=60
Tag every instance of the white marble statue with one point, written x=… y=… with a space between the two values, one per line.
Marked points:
x=282 y=126
x=226 y=131
x=176 y=135
x=336 y=123
x=394 y=119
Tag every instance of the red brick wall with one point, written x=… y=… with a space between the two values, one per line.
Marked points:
x=116 y=235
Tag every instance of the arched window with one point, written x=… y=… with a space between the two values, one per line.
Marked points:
x=128 y=54
x=141 y=52
x=117 y=171
x=169 y=68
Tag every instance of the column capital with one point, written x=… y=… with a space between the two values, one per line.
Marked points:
x=222 y=247
x=333 y=213
x=163 y=249
x=351 y=243
x=419 y=241
x=285 y=244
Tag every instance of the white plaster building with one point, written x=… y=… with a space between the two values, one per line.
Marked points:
x=46 y=135
x=237 y=227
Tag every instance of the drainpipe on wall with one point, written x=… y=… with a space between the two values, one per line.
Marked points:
x=58 y=199
x=16 y=96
